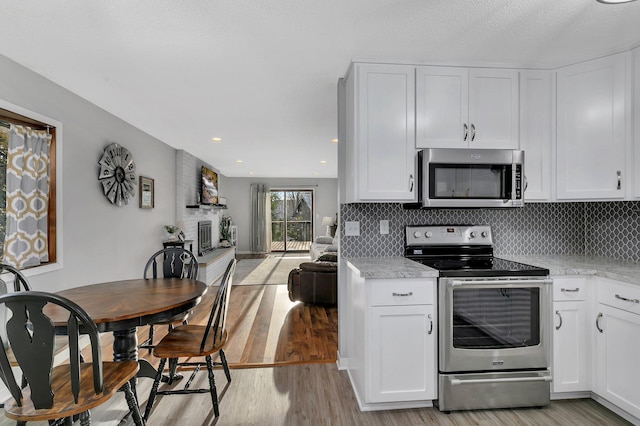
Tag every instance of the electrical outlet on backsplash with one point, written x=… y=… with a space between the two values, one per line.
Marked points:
x=608 y=229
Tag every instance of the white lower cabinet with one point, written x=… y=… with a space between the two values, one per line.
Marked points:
x=617 y=330
x=401 y=365
x=571 y=355
x=392 y=338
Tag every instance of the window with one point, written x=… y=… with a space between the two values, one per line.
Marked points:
x=291 y=220
x=8 y=117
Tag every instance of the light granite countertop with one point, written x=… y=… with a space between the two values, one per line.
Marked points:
x=400 y=267
x=390 y=267
x=615 y=269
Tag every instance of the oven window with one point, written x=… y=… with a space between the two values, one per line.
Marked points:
x=496 y=318
x=479 y=181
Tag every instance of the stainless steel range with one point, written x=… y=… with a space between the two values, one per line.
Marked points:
x=494 y=321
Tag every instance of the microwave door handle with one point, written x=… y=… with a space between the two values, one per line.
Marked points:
x=513 y=184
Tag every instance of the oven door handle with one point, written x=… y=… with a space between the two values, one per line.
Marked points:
x=454 y=381
x=458 y=283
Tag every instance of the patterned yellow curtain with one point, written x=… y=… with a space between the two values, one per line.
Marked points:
x=25 y=242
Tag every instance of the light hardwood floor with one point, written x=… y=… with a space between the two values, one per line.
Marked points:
x=320 y=394
x=270 y=330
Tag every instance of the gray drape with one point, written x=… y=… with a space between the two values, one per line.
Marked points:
x=25 y=242
x=260 y=218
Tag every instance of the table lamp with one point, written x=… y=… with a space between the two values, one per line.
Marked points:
x=328 y=222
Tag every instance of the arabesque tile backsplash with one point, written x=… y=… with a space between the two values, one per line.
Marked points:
x=610 y=229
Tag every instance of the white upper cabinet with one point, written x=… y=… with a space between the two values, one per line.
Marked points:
x=636 y=139
x=592 y=115
x=466 y=108
x=536 y=106
x=381 y=158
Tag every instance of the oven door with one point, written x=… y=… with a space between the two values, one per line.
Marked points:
x=494 y=324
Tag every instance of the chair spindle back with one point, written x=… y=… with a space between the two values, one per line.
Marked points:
x=218 y=315
x=176 y=262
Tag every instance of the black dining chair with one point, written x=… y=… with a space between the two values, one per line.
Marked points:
x=196 y=341
x=67 y=390
x=20 y=282
x=170 y=262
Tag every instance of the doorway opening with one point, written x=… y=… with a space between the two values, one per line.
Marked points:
x=291 y=220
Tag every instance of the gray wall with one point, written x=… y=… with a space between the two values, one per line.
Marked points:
x=237 y=191
x=100 y=242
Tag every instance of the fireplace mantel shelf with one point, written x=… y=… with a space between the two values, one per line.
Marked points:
x=206 y=206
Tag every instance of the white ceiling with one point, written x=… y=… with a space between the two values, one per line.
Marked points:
x=262 y=74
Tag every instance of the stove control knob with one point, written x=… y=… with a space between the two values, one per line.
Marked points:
x=417 y=234
x=472 y=234
x=484 y=234
x=428 y=234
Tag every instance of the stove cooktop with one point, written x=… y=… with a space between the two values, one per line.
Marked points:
x=486 y=267
x=461 y=251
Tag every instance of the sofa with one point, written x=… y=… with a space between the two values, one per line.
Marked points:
x=323 y=245
x=315 y=282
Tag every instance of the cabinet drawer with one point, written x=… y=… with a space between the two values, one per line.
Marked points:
x=569 y=288
x=619 y=295
x=402 y=292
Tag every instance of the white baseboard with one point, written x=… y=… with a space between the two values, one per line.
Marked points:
x=619 y=411
x=342 y=363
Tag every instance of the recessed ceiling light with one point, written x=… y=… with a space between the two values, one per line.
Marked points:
x=216 y=139
x=614 y=1
x=323 y=161
x=238 y=161
x=250 y=173
x=315 y=173
x=334 y=140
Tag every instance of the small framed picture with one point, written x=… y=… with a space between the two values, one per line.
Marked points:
x=146 y=193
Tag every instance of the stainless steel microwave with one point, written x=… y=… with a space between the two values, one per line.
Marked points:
x=471 y=178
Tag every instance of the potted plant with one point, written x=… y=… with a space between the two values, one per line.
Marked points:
x=172 y=232
x=225 y=231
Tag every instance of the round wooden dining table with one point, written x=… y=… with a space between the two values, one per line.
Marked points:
x=121 y=306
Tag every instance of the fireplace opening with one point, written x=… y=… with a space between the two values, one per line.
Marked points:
x=205 y=245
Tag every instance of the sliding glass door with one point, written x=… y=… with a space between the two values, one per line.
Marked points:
x=291 y=220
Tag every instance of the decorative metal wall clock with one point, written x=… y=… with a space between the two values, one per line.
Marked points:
x=117 y=174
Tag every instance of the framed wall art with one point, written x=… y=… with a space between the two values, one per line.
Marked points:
x=146 y=193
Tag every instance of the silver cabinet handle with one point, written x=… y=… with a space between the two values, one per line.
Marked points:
x=559 y=316
x=403 y=294
x=570 y=290
x=598 y=322
x=473 y=132
x=410 y=183
x=431 y=326
x=627 y=300
x=466 y=131
x=619 y=173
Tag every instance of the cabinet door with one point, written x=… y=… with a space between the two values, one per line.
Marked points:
x=402 y=350
x=535 y=133
x=442 y=107
x=493 y=108
x=636 y=103
x=385 y=133
x=571 y=359
x=591 y=120
x=617 y=349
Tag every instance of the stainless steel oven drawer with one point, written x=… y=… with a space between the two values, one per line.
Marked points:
x=494 y=390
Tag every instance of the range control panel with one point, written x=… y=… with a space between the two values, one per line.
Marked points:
x=421 y=235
